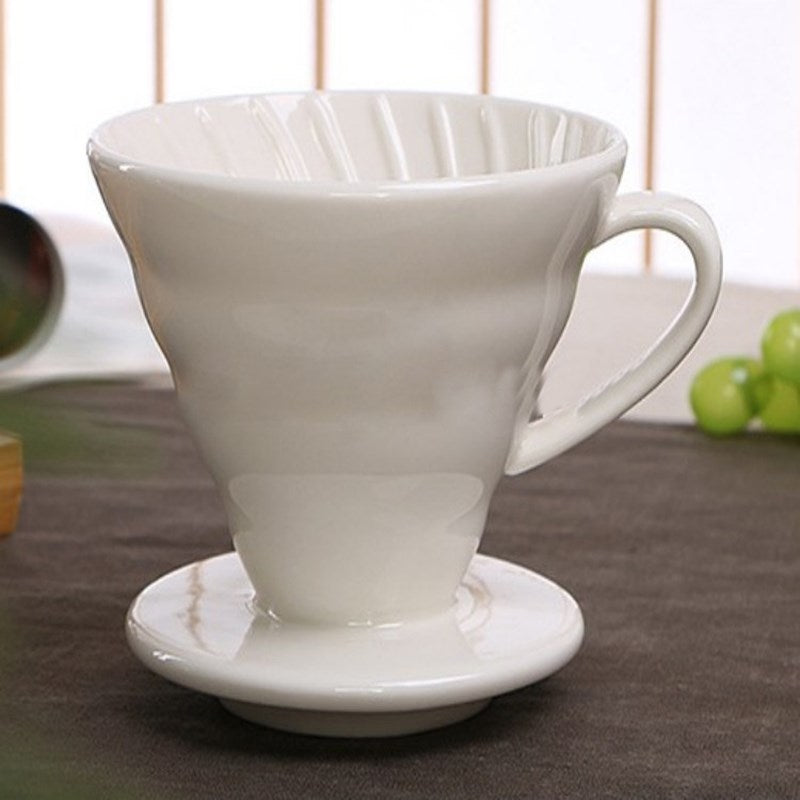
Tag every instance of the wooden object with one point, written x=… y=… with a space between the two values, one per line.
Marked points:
x=2 y=98
x=320 y=36
x=10 y=481
x=486 y=46
x=158 y=51
x=650 y=120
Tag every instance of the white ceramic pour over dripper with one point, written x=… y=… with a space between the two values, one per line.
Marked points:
x=357 y=293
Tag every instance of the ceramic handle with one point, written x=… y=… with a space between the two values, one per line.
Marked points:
x=554 y=433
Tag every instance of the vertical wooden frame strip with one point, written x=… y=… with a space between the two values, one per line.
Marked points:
x=650 y=121
x=486 y=47
x=2 y=98
x=158 y=51
x=320 y=56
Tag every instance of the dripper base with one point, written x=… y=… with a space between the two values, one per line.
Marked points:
x=355 y=725
x=509 y=627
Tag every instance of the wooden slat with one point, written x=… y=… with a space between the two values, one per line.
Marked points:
x=10 y=481
x=650 y=124
x=486 y=47
x=2 y=98
x=159 y=88
x=320 y=34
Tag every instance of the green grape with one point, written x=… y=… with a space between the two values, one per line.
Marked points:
x=726 y=394
x=761 y=386
x=781 y=414
x=780 y=346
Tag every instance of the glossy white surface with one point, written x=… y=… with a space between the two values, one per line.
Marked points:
x=198 y=626
x=353 y=138
x=357 y=294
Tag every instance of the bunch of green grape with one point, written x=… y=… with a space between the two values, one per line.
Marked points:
x=731 y=392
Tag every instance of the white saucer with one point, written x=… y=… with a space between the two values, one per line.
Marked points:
x=509 y=627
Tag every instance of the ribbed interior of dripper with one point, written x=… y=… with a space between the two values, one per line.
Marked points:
x=354 y=136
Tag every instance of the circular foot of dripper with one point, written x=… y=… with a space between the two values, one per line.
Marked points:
x=353 y=724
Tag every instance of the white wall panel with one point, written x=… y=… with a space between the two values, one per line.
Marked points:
x=728 y=130
x=216 y=47
x=589 y=56
x=70 y=66
x=403 y=44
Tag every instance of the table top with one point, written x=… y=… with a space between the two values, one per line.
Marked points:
x=683 y=552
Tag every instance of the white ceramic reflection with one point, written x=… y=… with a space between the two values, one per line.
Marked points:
x=507 y=628
x=357 y=294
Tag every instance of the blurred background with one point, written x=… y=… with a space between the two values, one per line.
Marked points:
x=706 y=91
x=724 y=98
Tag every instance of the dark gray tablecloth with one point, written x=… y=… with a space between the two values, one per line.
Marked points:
x=684 y=553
